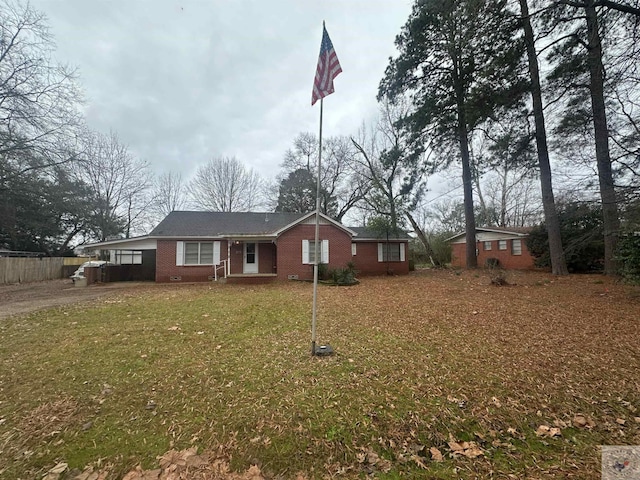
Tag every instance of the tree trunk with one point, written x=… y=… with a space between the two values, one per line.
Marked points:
x=611 y=221
x=503 y=196
x=423 y=238
x=558 y=263
x=467 y=183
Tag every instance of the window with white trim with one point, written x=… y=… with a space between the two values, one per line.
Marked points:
x=516 y=247
x=197 y=253
x=308 y=251
x=353 y=249
x=487 y=246
x=391 y=252
x=502 y=244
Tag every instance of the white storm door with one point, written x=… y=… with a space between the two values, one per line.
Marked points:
x=250 y=258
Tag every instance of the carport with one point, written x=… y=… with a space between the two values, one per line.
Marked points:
x=134 y=259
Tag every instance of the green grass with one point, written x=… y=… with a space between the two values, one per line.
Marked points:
x=236 y=377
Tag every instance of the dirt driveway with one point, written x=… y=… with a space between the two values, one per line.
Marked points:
x=24 y=298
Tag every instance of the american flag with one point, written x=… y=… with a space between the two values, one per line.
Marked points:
x=328 y=69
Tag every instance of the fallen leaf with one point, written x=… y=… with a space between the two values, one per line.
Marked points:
x=560 y=423
x=455 y=446
x=59 y=468
x=583 y=421
x=418 y=461
x=547 y=431
x=55 y=472
x=473 y=451
x=436 y=455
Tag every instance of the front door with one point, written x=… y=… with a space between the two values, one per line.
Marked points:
x=250 y=254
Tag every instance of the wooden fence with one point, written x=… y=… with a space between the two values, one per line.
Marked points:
x=20 y=270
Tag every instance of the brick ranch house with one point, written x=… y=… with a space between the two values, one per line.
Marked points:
x=508 y=245
x=252 y=247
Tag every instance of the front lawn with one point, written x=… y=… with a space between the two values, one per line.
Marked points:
x=423 y=362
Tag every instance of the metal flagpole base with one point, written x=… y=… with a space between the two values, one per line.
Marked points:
x=322 y=350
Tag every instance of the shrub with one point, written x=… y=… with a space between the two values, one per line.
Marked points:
x=582 y=238
x=344 y=276
x=498 y=276
x=628 y=256
x=323 y=271
x=440 y=251
x=492 y=262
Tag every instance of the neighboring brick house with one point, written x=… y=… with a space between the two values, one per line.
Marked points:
x=252 y=247
x=507 y=245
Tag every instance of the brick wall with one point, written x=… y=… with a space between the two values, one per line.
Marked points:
x=266 y=258
x=267 y=262
x=166 y=264
x=506 y=258
x=366 y=260
x=289 y=258
x=286 y=257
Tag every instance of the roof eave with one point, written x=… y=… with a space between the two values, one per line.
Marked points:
x=493 y=230
x=119 y=240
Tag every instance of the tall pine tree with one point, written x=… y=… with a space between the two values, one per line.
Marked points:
x=459 y=60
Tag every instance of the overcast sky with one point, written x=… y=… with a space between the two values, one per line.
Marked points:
x=184 y=81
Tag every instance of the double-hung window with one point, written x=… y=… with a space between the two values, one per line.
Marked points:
x=198 y=253
x=391 y=252
x=516 y=247
x=309 y=251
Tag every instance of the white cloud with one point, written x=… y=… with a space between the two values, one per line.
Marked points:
x=182 y=81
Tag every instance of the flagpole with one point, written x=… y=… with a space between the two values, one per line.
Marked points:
x=316 y=240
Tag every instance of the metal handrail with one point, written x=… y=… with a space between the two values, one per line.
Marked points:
x=223 y=264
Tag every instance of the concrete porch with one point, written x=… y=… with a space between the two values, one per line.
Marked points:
x=249 y=278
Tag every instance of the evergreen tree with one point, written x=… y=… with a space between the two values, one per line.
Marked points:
x=459 y=61
x=297 y=194
x=558 y=262
x=589 y=25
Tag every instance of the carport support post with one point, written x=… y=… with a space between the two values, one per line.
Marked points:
x=315 y=243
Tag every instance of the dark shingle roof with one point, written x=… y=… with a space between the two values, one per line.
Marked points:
x=214 y=224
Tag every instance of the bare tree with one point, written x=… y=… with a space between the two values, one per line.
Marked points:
x=38 y=97
x=342 y=187
x=504 y=169
x=225 y=185
x=395 y=180
x=119 y=182
x=168 y=194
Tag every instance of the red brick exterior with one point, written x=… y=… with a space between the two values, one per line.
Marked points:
x=366 y=261
x=289 y=259
x=283 y=257
x=166 y=264
x=506 y=258
x=267 y=259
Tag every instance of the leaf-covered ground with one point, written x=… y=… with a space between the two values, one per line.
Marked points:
x=437 y=375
